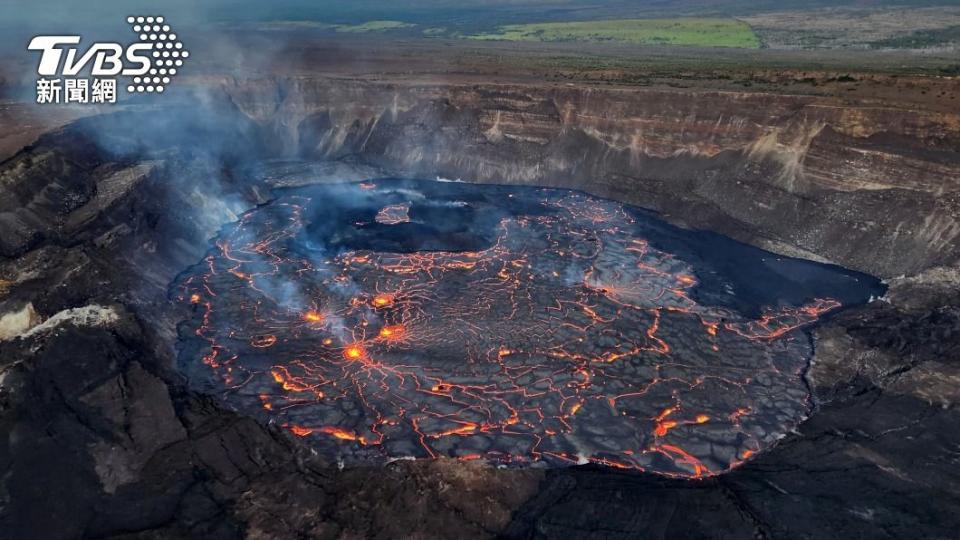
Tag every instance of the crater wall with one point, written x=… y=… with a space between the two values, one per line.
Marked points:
x=864 y=185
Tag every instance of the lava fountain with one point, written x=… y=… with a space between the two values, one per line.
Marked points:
x=518 y=325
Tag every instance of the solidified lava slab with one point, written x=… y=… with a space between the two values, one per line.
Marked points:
x=396 y=319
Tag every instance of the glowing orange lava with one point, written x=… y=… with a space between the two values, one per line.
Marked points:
x=383 y=300
x=569 y=338
x=313 y=317
x=393 y=214
x=394 y=332
x=262 y=342
x=353 y=352
x=300 y=431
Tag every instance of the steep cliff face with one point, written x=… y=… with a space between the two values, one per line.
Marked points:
x=863 y=185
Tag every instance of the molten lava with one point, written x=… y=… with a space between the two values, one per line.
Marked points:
x=383 y=300
x=393 y=214
x=394 y=332
x=313 y=317
x=353 y=352
x=569 y=338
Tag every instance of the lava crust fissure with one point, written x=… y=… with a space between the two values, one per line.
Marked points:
x=395 y=318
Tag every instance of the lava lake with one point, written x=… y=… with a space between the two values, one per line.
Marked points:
x=399 y=318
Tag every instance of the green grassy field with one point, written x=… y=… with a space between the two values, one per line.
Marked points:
x=369 y=26
x=705 y=32
x=372 y=26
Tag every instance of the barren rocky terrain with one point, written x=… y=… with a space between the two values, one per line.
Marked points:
x=832 y=28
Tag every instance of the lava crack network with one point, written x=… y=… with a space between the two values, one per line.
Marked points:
x=568 y=339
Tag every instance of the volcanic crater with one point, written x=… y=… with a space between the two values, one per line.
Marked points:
x=99 y=218
x=397 y=319
x=104 y=223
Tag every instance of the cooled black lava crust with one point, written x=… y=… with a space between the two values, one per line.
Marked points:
x=402 y=318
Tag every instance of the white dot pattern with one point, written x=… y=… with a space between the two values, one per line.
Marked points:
x=152 y=30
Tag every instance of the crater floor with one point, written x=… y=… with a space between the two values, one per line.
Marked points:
x=396 y=319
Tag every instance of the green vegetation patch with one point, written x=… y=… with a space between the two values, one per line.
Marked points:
x=373 y=26
x=369 y=26
x=705 y=32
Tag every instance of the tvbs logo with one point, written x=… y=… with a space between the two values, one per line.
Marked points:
x=150 y=64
